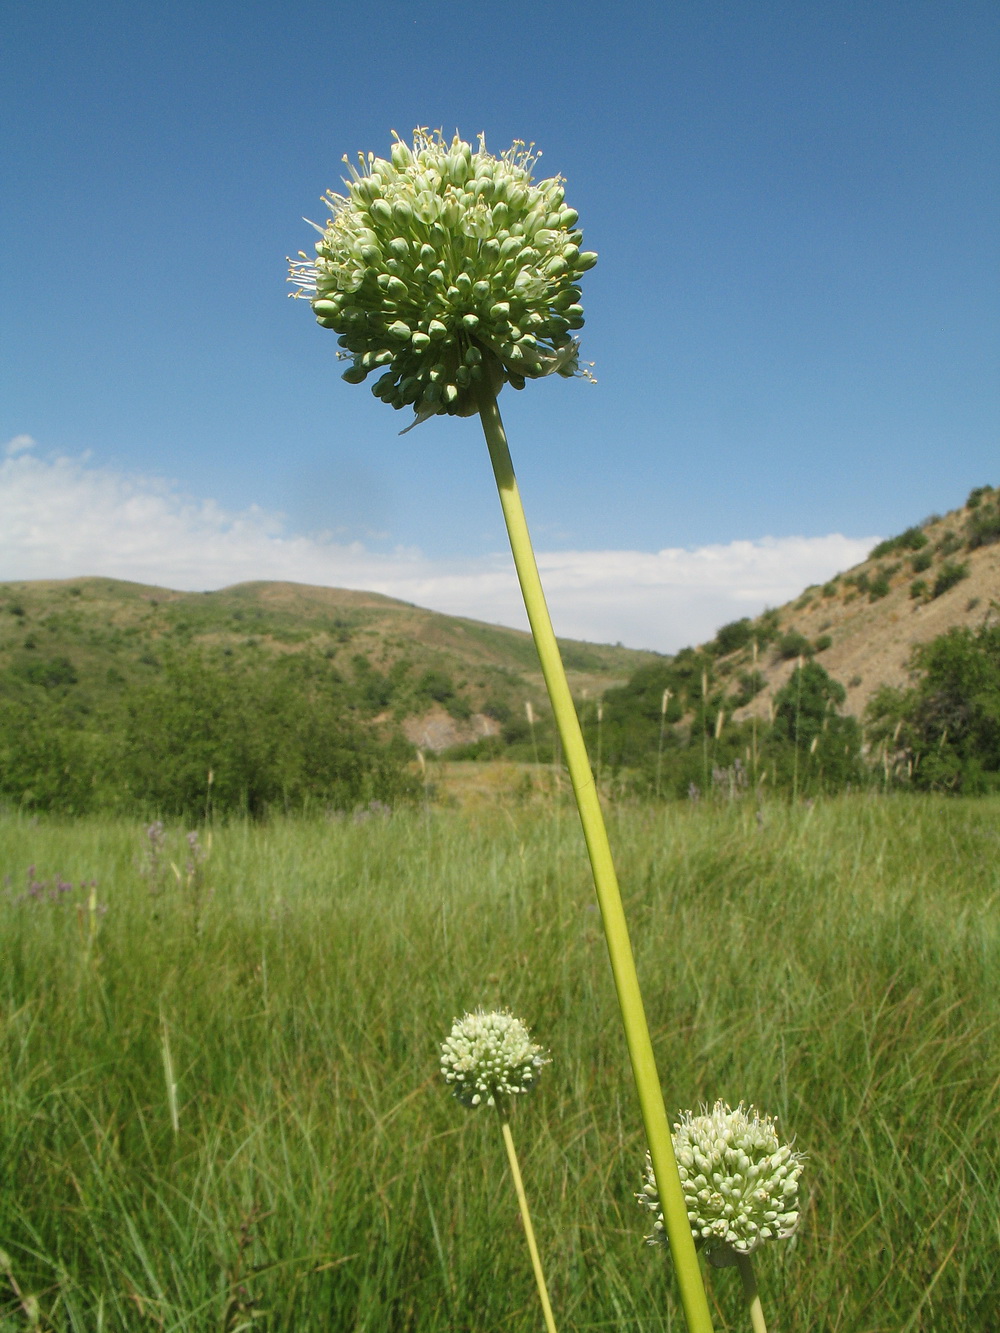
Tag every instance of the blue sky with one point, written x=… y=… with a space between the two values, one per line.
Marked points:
x=795 y=320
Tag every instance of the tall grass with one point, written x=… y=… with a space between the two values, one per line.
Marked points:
x=837 y=965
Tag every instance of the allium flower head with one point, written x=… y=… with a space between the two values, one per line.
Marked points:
x=442 y=267
x=740 y=1183
x=487 y=1056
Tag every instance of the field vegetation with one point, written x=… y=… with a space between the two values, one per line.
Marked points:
x=221 y=1108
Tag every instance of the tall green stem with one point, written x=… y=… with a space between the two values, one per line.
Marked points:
x=750 y=1292
x=529 y=1230
x=640 y=1047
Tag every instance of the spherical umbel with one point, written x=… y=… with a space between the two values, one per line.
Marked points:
x=489 y=1056
x=740 y=1183
x=444 y=268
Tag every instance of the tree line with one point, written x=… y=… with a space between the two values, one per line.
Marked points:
x=205 y=734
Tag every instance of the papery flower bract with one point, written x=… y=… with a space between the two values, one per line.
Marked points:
x=442 y=267
x=490 y=1055
x=740 y=1183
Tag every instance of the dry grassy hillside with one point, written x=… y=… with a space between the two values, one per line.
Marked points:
x=862 y=625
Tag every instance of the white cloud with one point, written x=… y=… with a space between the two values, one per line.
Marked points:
x=63 y=518
x=18 y=444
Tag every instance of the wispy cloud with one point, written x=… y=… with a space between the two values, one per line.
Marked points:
x=63 y=518
x=18 y=444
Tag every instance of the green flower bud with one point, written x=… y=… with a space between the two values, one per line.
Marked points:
x=401 y=155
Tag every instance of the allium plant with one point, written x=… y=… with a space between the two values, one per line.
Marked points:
x=453 y=272
x=740 y=1186
x=487 y=1058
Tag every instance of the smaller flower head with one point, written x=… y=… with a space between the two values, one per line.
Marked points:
x=740 y=1183
x=488 y=1056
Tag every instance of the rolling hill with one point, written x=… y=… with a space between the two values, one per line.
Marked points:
x=447 y=681
x=444 y=680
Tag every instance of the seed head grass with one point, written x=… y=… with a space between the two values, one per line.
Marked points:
x=836 y=965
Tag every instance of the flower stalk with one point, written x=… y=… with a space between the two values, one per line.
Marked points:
x=487 y=1058
x=745 y=1264
x=451 y=273
x=529 y=1230
x=640 y=1047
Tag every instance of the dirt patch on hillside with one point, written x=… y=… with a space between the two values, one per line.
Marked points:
x=437 y=730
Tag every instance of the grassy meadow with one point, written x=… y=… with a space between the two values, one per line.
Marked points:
x=220 y=1102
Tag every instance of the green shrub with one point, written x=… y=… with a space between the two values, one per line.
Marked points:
x=921 y=562
x=750 y=685
x=737 y=634
x=793 y=644
x=911 y=540
x=859 y=580
x=767 y=627
x=983 y=527
x=811 y=746
x=976 y=496
x=949 y=544
x=878 y=587
x=948 y=724
x=918 y=588
x=822 y=643
x=949 y=574
x=58 y=671
x=830 y=589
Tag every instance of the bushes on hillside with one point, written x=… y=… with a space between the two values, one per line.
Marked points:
x=911 y=540
x=949 y=574
x=811 y=746
x=943 y=733
x=982 y=527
